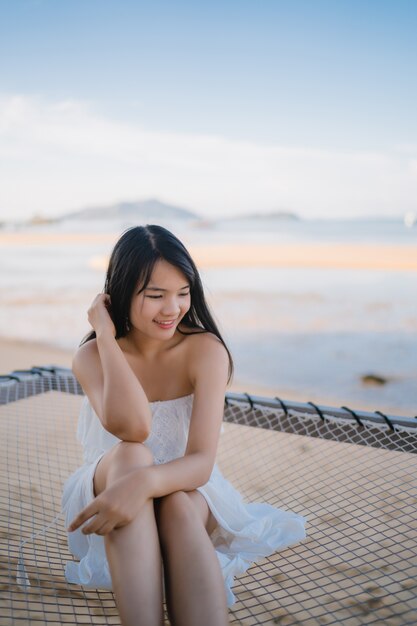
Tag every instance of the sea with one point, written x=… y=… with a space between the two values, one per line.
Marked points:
x=299 y=333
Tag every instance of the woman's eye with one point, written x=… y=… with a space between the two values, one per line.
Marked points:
x=183 y=295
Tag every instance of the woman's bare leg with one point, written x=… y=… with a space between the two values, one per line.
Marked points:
x=133 y=550
x=193 y=580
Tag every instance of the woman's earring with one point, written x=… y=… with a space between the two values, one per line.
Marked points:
x=127 y=324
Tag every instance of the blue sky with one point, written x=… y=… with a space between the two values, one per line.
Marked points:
x=320 y=96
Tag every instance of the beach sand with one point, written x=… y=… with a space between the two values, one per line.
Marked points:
x=17 y=355
x=20 y=355
x=301 y=255
x=319 y=256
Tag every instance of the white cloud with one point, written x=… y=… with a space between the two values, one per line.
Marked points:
x=57 y=156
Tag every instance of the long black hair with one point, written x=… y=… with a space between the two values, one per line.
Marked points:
x=131 y=264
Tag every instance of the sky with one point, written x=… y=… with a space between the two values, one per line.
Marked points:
x=222 y=107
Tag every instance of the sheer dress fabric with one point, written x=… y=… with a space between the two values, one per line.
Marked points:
x=245 y=533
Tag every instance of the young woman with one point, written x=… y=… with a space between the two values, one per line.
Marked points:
x=149 y=503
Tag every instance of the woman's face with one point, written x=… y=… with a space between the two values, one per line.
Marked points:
x=157 y=310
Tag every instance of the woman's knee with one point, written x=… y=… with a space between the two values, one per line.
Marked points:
x=122 y=459
x=132 y=454
x=175 y=510
x=128 y=456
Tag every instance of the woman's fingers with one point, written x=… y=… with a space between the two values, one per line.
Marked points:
x=94 y=525
x=101 y=519
x=99 y=313
x=105 y=529
x=100 y=524
x=83 y=516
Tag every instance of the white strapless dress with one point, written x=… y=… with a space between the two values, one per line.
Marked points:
x=245 y=532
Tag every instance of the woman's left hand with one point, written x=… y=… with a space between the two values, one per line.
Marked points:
x=116 y=506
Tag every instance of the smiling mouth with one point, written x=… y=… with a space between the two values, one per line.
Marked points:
x=165 y=323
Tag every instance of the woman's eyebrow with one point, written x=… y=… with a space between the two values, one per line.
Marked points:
x=160 y=288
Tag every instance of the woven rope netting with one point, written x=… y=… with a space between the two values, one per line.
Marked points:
x=352 y=476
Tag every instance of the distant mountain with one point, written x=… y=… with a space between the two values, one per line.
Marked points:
x=140 y=210
x=274 y=215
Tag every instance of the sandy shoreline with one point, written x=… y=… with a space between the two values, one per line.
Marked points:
x=296 y=255
x=320 y=256
x=16 y=354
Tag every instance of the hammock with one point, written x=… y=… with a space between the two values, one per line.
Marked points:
x=353 y=474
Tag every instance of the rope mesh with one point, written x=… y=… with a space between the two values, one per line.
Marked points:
x=370 y=429
x=357 y=566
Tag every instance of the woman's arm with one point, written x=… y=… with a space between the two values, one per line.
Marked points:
x=114 y=391
x=209 y=364
x=120 y=503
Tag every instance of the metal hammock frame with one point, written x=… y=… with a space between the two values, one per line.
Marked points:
x=351 y=473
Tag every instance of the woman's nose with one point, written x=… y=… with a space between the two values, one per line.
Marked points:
x=171 y=307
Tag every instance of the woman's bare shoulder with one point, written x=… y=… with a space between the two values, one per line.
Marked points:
x=206 y=348
x=86 y=366
x=85 y=357
x=201 y=338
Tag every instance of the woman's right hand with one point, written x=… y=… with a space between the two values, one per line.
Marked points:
x=116 y=506
x=99 y=316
